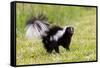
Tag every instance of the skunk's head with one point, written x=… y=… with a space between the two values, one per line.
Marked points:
x=69 y=31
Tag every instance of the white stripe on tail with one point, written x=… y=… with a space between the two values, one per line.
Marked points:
x=34 y=31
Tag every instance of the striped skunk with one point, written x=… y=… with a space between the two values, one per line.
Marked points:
x=51 y=36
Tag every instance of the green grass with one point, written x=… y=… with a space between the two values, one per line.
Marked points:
x=82 y=47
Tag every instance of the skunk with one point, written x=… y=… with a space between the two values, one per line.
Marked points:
x=51 y=36
x=56 y=37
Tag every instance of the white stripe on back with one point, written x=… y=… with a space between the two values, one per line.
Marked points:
x=59 y=34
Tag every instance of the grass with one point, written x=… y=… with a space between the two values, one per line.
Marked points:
x=83 y=45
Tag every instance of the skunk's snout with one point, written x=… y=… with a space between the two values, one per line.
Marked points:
x=72 y=30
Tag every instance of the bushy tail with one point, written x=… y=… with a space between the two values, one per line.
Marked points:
x=37 y=27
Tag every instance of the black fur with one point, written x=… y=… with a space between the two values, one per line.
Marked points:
x=49 y=42
x=64 y=41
